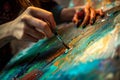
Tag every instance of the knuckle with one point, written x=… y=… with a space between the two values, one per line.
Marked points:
x=24 y=18
x=29 y=9
x=50 y=14
x=44 y=26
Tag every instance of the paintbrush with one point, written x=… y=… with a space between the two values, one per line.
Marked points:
x=53 y=30
x=60 y=38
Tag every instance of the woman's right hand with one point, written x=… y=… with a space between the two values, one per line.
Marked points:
x=33 y=24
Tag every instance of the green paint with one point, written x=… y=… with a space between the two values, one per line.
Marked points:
x=66 y=66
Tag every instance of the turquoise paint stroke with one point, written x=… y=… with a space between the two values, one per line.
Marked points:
x=67 y=67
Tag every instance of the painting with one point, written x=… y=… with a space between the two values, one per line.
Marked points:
x=94 y=54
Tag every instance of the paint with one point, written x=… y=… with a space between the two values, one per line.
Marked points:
x=90 y=57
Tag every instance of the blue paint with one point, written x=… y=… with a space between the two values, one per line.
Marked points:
x=66 y=69
x=72 y=71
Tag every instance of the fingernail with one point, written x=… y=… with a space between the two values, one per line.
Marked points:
x=83 y=26
x=102 y=16
x=92 y=21
x=78 y=24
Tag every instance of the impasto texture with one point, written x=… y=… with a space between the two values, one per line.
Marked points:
x=94 y=53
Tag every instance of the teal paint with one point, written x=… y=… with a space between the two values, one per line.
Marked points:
x=69 y=73
x=67 y=69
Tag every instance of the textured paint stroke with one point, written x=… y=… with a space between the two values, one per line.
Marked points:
x=89 y=58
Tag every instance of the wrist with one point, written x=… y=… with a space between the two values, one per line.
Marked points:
x=67 y=14
x=6 y=31
x=56 y=13
x=5 y=34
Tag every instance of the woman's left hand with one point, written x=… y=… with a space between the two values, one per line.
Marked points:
x=86 y=15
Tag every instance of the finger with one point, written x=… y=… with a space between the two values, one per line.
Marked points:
x=37 y=23
x=88 y=4
x=100 y=12
x=41 y=13
x=75 y=18
x=81 y=13
x=86 y=18
x=92 y=16
x=27 y=37
x=78 y=23
x=34 y=33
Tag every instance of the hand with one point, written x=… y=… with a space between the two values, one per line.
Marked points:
x=86 y=15
x=33 y=24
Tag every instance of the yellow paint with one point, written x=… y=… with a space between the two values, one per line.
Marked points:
x=58 y=53
x=100 y=47
x=56 y=63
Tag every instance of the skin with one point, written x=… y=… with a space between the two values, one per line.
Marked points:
x=90 y=15
x=31 y=25
x=35 y=23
